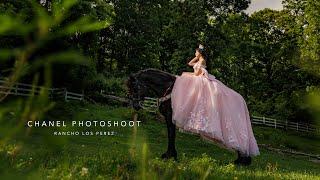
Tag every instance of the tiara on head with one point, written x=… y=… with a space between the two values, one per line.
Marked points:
x=201 y=46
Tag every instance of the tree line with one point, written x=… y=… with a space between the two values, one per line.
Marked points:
x=270 y=57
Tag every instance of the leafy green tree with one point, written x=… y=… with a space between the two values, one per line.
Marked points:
x=307 y=26
x=162 y=34
x=311 y=37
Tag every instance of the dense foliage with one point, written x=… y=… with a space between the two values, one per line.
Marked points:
x=270 y=57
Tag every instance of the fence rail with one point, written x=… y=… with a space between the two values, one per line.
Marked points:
x=21 y=89
x=73 y=96
x=150 y=104
x=279 y=124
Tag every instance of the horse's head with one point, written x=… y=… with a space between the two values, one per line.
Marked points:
x=149 y=82
x=136 y=91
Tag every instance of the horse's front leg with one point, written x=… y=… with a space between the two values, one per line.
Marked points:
x=171 y=151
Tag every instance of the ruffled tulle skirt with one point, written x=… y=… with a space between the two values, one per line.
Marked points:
x=207 y=107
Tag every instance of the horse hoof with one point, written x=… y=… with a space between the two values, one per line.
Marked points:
x=246 y=161
x=243 y=161
x=164 y=156
x=167 y=155
x=237 y=161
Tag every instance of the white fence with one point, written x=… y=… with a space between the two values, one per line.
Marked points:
x=150 y=104
x=21 y=89
x=73 y=96
x=302 y=127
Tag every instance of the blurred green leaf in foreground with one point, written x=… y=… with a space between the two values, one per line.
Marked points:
x=28 y=27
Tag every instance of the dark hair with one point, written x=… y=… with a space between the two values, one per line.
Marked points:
x=202 y=52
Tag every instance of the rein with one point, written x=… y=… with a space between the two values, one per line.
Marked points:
x=165 y=97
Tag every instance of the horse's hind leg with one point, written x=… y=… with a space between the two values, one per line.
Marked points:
x=167 y=112
x=242 y=160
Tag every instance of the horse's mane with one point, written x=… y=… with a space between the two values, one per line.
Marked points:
x=153 y=76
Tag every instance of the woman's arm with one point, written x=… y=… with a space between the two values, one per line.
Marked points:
x=193 y=61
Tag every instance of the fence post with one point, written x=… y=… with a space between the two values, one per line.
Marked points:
x=82 y=98
x=275 y=124
x=51 y=93
x=65 y=95
x=297 y=127
x=286 y=124
x=16 y=89
x=264 y=120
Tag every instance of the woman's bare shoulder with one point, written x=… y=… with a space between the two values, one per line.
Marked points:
x=202 y=61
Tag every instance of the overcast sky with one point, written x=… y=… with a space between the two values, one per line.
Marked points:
x=257 y=5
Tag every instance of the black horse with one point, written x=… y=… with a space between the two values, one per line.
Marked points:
x=154 y=82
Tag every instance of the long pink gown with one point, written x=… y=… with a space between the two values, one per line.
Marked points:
x=203 y=105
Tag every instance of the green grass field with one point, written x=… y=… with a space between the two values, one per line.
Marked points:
x=135 y=154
